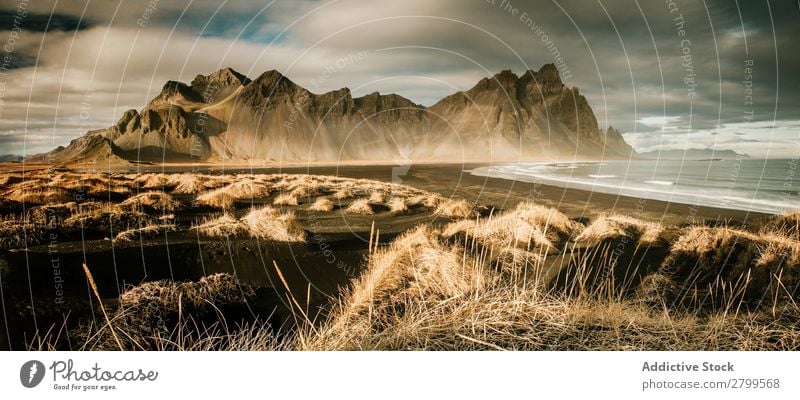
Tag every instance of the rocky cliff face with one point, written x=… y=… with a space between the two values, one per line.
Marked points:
x=225 y=115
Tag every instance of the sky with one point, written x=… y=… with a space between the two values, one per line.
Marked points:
x=667 y=73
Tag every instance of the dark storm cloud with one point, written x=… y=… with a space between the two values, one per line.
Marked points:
x=16 y=20
x=626 y=57
x=9 y=19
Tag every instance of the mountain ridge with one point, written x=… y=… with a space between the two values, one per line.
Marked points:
x=227 y=116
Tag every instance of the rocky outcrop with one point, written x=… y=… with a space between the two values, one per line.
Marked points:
x=219 y=85
x=225 y=115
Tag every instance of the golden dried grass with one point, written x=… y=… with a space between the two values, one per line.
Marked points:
x=285 y=199
x=271 y=224
x=322 y=204
x=454 y=208
x=360 y=207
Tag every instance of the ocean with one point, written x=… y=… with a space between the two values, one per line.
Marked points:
x=758 y=185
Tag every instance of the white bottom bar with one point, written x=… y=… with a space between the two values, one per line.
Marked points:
x=397 y=375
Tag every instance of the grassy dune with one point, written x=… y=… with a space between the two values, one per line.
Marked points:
x=526 y=278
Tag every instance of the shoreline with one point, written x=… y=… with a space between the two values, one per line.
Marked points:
x=576 y=203
x=451 y=179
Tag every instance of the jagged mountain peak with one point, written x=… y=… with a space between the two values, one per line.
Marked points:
x=548 y=73
x=271 y=77
x=174 y=92
x=505 y=80
x=384 y=100
x=227 y=75
x=225 y=115
x=506 y=75
x=218 y=85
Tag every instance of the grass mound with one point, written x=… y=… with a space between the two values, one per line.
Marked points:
x=225 y=197
x=17 y=233
x=397 y=205
x=455 y=208
x=271 y=224
x=189 y=183
x=247 y=189
x=151 y=181
x=217 y=198
x=262 y=223
x=420 y=294
x=286 y=199
x=785 y=224
x=52 y=214
x=322 y=204
x=40 y=195
x=106 y=217
x=222 y=226
x=151 y=201
x=526 y=227
x=147 y=231
x=343 y=193
x=360 y=207
x=377 y=197
x=615 y=226
x=414 y=268
x=149 y=315
x=720 y=267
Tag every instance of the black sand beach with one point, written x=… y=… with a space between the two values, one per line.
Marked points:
x=453 y=180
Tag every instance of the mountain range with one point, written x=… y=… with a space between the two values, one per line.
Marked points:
x=228 y=116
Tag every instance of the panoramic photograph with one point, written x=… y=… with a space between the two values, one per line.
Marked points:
x=416 y=175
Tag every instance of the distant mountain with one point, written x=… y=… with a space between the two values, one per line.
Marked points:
x=10 y=158
x=228 y=116
x=692 y=154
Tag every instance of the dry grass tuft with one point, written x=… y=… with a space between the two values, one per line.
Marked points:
x=721 y=267
x=147 y=231
x=377 y=197
x=107 y=217
x=154 y=315
x=343 y=193
x=414 y=268
x=152 y=201
x=286 y=199
x=263 y=223
x=322 y=204
x=615 y=226
x=52 y=214
x=785 y=224
x=397 y=205
x=246 y=189
x=455 y=208
x=222 y=226
x=217 y=198
x=151 y=181
x=305 y=189
x=40 y=195
x=527 y=226
x=361 y=207
x=271 y=224
x=428 y=200
x=189 y=183
x=242 y=190
x=17 y=233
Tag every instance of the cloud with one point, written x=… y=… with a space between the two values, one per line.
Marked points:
x=626 y=57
